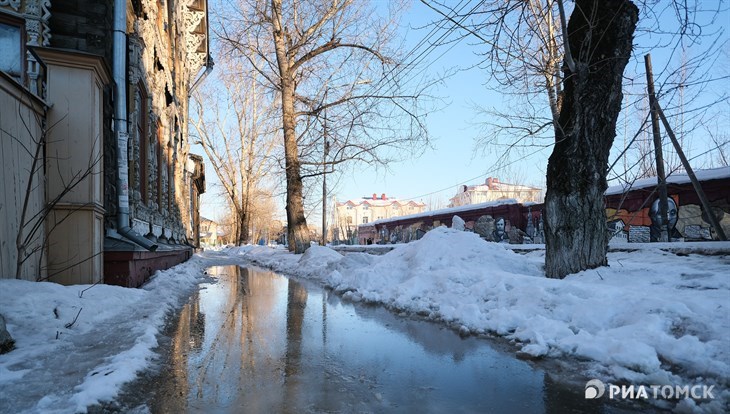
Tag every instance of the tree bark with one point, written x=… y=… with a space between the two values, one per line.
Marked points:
x=242 y=228
x=600 y=35
x=297 y=233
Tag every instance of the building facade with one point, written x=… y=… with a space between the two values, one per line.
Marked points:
x=106 y=86
x=212 y=233
x=492 y=190
x=631 y=212
x=348 y=215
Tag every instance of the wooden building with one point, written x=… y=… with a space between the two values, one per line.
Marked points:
x=101 y=90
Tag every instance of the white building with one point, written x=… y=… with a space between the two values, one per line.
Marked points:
x=492 y=190
x=351 y=213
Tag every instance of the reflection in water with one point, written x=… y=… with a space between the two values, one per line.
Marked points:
x=295 y=305
x=256 y=342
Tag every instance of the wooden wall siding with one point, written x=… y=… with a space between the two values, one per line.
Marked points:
x=74 y=158
x=19 y=126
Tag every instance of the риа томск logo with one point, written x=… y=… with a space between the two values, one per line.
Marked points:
x=596 y=388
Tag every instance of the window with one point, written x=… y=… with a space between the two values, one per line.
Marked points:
x=364 y=220
x=12 y=51
x=170 y=177
x=144 y=146
x=197 y=5
x=160 y=168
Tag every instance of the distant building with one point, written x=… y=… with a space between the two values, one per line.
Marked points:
x=492 y=190
x=351 y=213
x=211 y=232
x=630 y=213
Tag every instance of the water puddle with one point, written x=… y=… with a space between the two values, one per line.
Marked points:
x=257 y=342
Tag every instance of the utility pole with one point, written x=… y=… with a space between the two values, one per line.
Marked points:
x=693 y=178
x=661 y=177
x=324 y=176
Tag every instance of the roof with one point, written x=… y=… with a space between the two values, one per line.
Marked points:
x=676 y=178
x=380 y=203
x=451 y=210
x=501 y=187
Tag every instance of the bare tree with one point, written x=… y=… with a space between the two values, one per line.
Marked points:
x=598 y=47
x=263 y=214
x=327 y=56
x=234 y=128
x=523 y=63
x=594 y=47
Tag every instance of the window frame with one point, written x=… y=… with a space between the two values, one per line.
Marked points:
x=18 y=22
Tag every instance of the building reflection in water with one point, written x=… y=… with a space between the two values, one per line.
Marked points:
x=187 y=338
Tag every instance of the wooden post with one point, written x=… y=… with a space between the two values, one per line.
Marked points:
x=661 y=177
x=695 y=183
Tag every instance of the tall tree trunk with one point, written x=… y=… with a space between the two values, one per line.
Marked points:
x=242 y=228
x=600 y=35
x=297 y=233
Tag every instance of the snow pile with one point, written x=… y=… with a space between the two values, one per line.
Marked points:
x=76 y=345
x=652 y=317
x=457 y=223
x=318 y=258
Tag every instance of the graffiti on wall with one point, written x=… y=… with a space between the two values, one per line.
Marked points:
x=687 y=222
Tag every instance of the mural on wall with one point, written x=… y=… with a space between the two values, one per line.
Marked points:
x=657 y=222
x=616 y=232
x=632 y=217
x=534 y=229
x=687 y=222
x=484 y=226
x=499 y=234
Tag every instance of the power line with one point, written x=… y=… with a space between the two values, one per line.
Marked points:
x=389 y=79
x=489 y=172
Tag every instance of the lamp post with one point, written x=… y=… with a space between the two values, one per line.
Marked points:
x=324 y=158
x=324 y=182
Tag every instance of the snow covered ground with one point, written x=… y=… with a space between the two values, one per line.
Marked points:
x=651 y=318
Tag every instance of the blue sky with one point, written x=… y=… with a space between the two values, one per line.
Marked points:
x=454 y=159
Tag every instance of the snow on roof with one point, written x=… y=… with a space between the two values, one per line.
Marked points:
x=676 y=178
x=379 y=202
x=451 y=210
x=500 y=186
